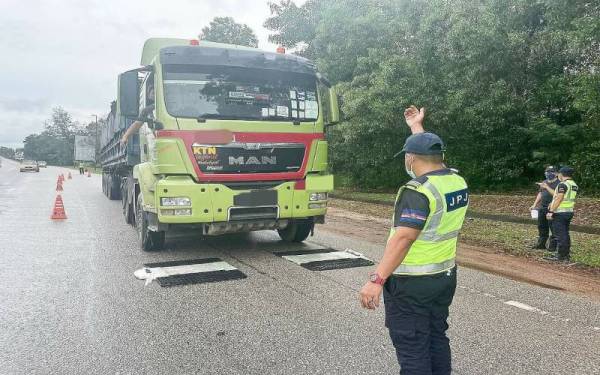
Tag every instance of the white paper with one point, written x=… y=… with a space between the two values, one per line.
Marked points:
x=265 y=112
x=534 y=214
x=294 y=113
x=292 y=94
x=294 y=104
x=283 y=111
x=301 y=105
x=311 y=104
x=271 y=111
x=311 y=113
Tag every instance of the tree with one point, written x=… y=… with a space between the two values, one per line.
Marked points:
x=226 y=30
x=56 y=143
x=510 y=85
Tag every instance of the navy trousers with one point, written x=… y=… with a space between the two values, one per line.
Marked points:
x=544 y=229
x=416 y=313
x=560 y=227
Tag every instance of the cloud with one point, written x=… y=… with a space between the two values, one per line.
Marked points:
x=69 y=52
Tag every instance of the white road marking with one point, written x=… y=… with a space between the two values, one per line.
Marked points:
x=151 y=273
x=525 y=307
x=318 y=257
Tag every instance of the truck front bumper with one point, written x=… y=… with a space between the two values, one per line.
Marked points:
x=218 y=203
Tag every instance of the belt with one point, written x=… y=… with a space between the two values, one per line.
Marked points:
x=424 y=269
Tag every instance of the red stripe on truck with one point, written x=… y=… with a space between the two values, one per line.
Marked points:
x=220 y=137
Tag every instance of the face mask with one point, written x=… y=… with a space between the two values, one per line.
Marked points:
x=409 y=170
x=550 y=175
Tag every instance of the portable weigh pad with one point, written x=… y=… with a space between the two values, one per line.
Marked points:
x=326 y=259
x=183 y=272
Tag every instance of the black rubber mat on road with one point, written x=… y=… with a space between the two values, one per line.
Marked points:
x=200 y=278
x=304 y=252
x=183 y=262
x=335 y=264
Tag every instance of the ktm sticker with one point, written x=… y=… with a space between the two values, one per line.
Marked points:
x=204 y=150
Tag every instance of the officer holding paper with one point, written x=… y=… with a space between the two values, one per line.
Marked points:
x=542 y=201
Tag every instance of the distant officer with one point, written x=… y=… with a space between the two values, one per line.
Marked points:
x=560 y=212
x=80 y=168
x=542 y=201
x=417 y=272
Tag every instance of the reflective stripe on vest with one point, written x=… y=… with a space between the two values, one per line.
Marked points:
x=424 y=269
x=568 y=202
x=435 y=248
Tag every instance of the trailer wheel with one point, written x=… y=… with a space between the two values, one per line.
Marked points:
x=296 y=231
x=149 y=240
x=113 y=188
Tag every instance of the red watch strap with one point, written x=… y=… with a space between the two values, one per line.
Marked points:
x=376 y=279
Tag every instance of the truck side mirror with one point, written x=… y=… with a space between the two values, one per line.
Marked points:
x=334 y=109
x=129 y=93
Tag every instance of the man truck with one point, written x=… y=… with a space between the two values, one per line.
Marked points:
x=232 y=141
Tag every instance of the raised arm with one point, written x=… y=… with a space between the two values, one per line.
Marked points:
x=414 y=119
x=131 y=130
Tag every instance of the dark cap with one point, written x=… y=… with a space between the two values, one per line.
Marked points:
x=550 y=168
x=566 y=171
x=423 y=144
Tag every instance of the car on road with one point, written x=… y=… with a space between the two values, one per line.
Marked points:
x=29 y=166
x=42 y=164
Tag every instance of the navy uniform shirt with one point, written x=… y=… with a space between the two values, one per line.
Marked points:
x=412 y=208
x=546 y=196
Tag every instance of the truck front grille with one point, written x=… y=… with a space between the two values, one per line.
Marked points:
x=249 y=157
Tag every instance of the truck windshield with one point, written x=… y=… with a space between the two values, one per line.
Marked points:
x=222 y=92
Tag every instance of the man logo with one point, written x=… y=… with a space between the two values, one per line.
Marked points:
x=253 y=160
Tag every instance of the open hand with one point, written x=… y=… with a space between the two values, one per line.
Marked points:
x=414 y=118
x=369 y=295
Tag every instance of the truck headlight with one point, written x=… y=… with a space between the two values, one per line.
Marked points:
x=175 y=201
x=317 y=197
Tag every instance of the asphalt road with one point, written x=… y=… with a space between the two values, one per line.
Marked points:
x=70 y=304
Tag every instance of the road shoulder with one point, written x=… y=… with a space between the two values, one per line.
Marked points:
x=374 y=228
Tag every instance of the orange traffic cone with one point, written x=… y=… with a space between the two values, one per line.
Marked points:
x=69 y=176
x=59 y=186
x=58 y=212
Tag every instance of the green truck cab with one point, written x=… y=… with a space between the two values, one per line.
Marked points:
x=232 y=141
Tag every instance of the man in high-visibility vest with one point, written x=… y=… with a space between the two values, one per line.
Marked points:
x=417 y=273
x=561 y=213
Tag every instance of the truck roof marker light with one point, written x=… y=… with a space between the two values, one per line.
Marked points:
x=280 y=49
x=300 y=185
x=194 y=42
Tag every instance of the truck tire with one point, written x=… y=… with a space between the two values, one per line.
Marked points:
x=128 y=211
x=113 y=187
x=296 y=231
x=149 y=240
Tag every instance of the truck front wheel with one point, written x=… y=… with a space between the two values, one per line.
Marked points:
x=149 y=240
x=296 y=231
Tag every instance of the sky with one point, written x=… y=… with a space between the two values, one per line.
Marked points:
x=68 y=53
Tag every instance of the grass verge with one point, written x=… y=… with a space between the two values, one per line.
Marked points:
x=511 y=238
x=587 y=210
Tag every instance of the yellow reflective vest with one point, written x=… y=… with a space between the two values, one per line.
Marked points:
x=568 y=202
x=434 y=251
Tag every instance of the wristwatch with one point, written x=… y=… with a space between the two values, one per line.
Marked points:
x=375 y=278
